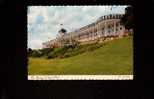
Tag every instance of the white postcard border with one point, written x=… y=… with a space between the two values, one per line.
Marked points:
x=80 y=77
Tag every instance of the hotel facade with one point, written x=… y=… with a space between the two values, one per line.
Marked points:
x=107 y=26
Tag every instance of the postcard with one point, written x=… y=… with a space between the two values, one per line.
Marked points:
x=80 y=42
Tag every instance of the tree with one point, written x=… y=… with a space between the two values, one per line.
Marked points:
x=30 y=50
x=63 y=30
x=128 y=19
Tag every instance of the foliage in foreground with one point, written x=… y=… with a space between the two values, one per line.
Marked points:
x=66 y=51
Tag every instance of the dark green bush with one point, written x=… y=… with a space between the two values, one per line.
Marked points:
x=46 y=51
x=66 y=51
x=36 y=53
x=57 y=52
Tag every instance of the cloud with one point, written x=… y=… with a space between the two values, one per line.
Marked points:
x=35 y=11
x=35 y=43
x=44 y=21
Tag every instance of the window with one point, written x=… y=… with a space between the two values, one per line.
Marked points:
x=102 y=29
x=79 y=36
x=110 y=16
x=116 y=24
x=108 y=31
x=102 y=32
x=113 y=16
x=116 y=29
x=109 y=26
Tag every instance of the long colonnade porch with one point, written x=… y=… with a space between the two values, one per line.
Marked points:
x=108 y=26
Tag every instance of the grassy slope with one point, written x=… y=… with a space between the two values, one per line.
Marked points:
x=116 y=57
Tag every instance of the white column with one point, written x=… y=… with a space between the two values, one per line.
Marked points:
x=119 y=31
x=70 y=38
x=122 y=31
x=94 y=32
x=102 y=26
x=114 y=28
x=97 y=30
x=105 y=32
x=91 y=32
x=100 y=29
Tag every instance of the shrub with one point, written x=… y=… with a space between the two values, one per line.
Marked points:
x=57 y=52
x=36 y=53
x=46 y=51
x=66 y=51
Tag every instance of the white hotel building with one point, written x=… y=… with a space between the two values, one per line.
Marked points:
x=105 y=27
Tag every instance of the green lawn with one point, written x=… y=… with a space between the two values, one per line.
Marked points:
x=116 y=57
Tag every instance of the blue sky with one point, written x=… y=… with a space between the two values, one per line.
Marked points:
x=44 y=21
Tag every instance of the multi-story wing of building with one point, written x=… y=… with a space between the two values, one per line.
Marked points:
x=105 y=26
